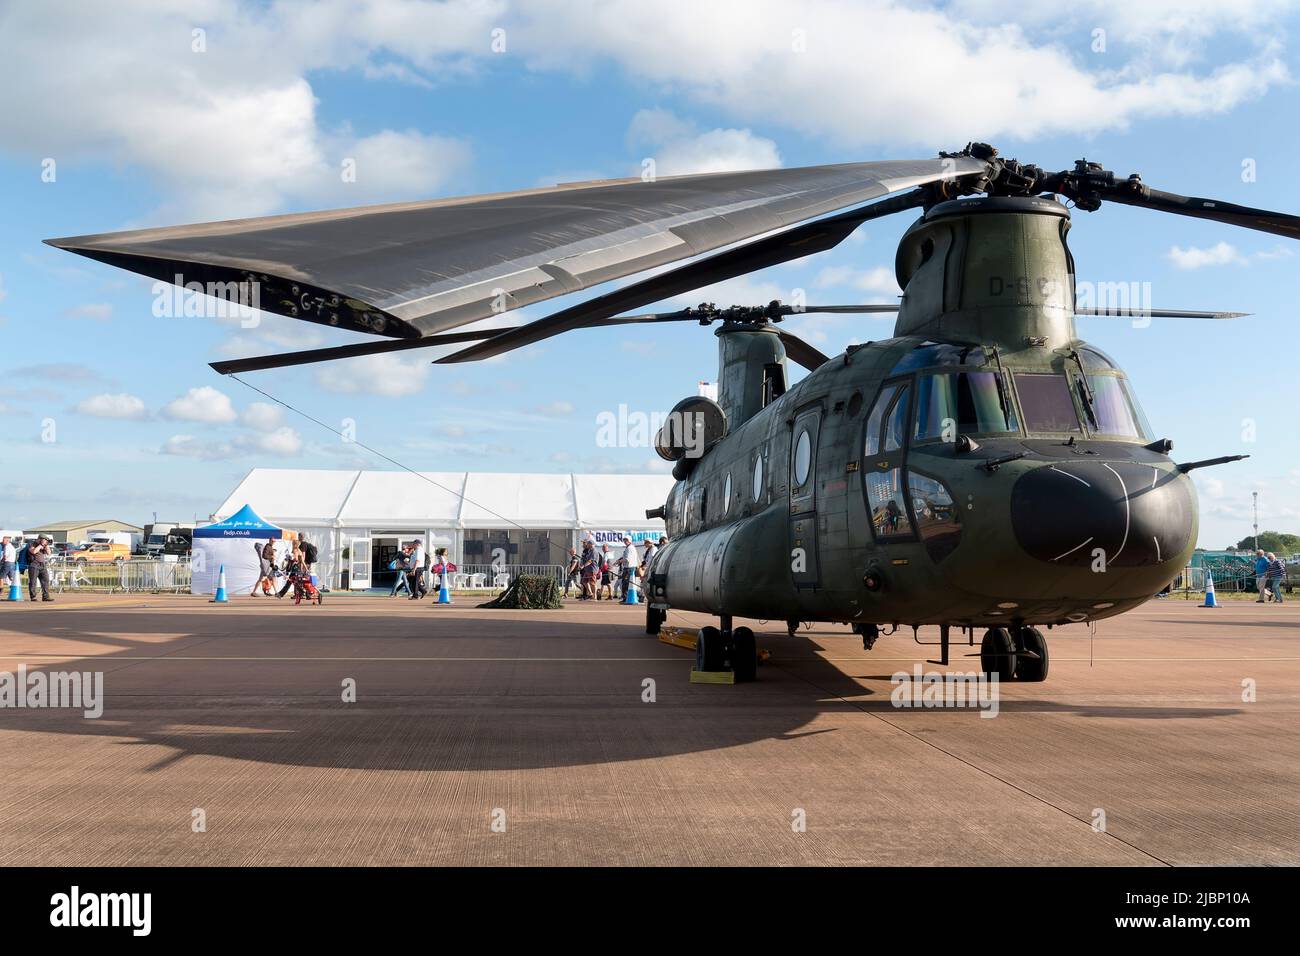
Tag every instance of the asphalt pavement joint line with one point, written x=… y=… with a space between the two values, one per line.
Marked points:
x=988 y=773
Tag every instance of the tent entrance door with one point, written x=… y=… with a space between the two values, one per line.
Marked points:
x=383 y=549
x=359 y=564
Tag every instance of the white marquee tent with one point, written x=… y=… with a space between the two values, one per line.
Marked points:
x=355 y=509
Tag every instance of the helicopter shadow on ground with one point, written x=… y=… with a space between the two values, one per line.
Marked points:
x=516 y=695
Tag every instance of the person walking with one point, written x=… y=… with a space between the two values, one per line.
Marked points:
x=309 y=558
x=1275 y=575
x=606 y=579
x=588 y=569
x=402 y=565
x=8 y=563
x=38 y=556
x=419 y=566
x=573 y=572
x=1261 y=576
x=628 y=564
x=266 y=570
x=647 y=556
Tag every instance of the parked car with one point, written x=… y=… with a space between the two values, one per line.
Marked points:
x=107 y=553
x=179 y=541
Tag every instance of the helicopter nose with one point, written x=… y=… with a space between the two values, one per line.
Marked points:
x=1135 y=513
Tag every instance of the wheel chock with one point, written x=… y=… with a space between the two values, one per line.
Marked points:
x=712 y=677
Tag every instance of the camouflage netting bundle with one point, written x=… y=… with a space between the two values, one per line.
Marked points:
x=528 y=592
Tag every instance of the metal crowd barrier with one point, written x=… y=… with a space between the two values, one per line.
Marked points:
x=474 y=577
x=152 y=575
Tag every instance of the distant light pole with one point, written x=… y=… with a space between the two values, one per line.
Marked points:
x=1255 y=495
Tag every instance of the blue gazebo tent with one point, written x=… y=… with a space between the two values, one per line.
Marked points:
x=235 y=543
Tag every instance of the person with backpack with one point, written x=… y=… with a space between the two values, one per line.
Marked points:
x=37 y=556
x=402 y=565
x=309 y=556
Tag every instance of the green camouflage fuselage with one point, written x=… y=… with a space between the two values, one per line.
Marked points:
x=983 y=466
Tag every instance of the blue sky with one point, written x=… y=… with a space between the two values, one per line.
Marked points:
x=109 y=411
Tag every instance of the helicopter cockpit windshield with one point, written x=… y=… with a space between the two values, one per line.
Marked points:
x=960 y=391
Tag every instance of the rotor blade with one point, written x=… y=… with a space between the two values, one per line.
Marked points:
x=1161 y=313
x=707 y=313
x=795 y=243
x=412 y=269
x=797 y=350
x=308 y=356
x=1261 y=220
x=850 y=309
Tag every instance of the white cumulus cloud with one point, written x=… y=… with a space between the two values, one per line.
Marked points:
x=262 y=416
x=1219 y=254
x=121 y=405
x=387 y=375
x=679 y=148
x=202 y=404
x=281 y=441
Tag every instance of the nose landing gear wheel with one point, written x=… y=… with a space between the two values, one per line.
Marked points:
x=870 y=633
x=998 y=653
x=654 y=619
x=1031 y=655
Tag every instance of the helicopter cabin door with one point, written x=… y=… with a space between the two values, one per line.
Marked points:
x=803 y=498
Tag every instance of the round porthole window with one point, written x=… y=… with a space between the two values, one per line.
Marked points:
x=802 y=458
x=726 y=494
x=758 y=477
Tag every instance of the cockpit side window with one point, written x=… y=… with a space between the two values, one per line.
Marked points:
x=876 y=417
x=1113 y=410
x=1045 y=402
x=896 y=423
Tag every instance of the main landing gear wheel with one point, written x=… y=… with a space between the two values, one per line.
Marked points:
x=998 y=653
x=744 y=654
x=654 y=619
x=1031 y=655
x=710 y=650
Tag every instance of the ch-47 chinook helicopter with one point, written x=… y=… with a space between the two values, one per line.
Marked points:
x=984 y=468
